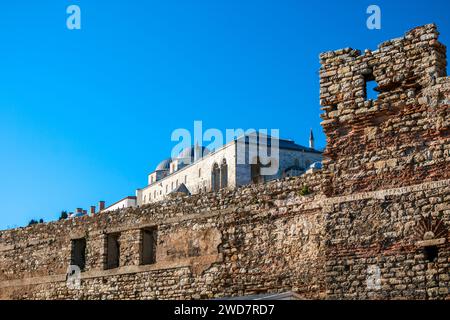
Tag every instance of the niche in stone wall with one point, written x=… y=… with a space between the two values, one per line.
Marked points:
x=431 y=232
x=431 y=253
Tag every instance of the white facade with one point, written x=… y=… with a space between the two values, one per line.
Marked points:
x=196 y=177
x=220 y=169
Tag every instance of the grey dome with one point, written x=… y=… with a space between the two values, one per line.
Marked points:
x=164 y=165
x=190 y=152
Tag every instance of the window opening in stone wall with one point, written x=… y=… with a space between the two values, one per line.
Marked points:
x=112 y=251
x=78 y=254
x=148 y=246
x=370 y=87
x=431 y=253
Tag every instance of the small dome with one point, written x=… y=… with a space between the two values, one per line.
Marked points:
x=164 y=165
x=316 y=165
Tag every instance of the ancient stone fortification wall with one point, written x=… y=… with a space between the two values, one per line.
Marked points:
x=382 y=233
x=376 y=224
x=257 y=239
x=401 y=139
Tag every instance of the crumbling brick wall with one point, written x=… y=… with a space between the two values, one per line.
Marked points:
x=398 y=139
x=401 y=139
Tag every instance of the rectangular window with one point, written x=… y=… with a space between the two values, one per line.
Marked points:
x=148 y=246
x=78 y=254
x=112 y=251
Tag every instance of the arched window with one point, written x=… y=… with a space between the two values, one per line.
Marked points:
x=255 y=170
x=224 y=174
x=215 y=177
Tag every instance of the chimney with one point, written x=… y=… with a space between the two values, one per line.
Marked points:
x=92 y=211
x=79 y=210
x=101 y=206
x=311 y=139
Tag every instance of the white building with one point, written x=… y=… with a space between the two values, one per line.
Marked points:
x=126 y=202
x=197 y=169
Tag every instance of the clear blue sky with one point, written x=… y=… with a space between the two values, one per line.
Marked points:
x=86 y=115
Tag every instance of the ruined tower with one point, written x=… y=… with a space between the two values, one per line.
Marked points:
x=387 y=169
x=400 y=138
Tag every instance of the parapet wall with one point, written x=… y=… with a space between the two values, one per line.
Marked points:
x=374 y=224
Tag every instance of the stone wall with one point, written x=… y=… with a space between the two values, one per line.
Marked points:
x=235 y=242
x=374 y=224
x=381 y=232
x=401 y=139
